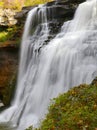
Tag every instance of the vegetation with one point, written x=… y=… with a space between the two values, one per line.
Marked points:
x=3 y=36
x=36 y=2
x=8 y=33
x=18 y=4
x=11 y=34
x=14 y=4
x=74 y=110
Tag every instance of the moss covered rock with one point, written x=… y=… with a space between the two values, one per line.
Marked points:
x=74 y=110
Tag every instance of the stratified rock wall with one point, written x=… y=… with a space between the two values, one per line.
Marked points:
x=58 y=12
x=8 y=70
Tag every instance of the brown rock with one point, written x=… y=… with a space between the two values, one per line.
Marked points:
x=8 y=69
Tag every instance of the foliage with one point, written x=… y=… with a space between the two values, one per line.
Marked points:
x=11 y=33
x=3 y=36
x=13 y=4
x=1 y=3
x=35 y=2
x=74 y=110
x=18 y=4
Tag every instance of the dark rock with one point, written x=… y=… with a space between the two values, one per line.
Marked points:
x=94 y=82
x=61 y=9
x=70 y=1
x=8 y=69
x=21 y=16
x=61 y=13
x=50 y=3
x=57 y=11
x=28 y=8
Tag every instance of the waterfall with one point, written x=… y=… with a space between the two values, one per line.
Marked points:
x=47 y=70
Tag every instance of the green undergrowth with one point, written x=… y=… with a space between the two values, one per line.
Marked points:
x=3 y=36
x=74 y=110
x=36 y=2
x=11 y=33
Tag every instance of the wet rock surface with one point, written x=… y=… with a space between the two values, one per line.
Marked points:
x=8 y=70
x=94 y=82
x=62 y=10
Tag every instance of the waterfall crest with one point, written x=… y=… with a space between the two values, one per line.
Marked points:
x=46 y=70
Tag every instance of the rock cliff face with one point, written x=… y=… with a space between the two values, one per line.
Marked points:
x=58 y=11
x=8 y=70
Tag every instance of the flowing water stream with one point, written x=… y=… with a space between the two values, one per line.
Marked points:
x=46 y=70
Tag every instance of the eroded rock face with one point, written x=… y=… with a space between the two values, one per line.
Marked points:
x=94 y=82
x=58 y=11
x=8 y=70
x=21 y=16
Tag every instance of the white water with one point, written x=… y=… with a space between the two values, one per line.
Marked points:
x=48 y=70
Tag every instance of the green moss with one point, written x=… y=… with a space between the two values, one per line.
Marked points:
x=74 y=110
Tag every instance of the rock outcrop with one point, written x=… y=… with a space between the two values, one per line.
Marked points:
x=58 y=11
x=21 y=16
x=8 y=70
x=7 y=17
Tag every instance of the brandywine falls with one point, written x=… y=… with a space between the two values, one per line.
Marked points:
x=50 y=68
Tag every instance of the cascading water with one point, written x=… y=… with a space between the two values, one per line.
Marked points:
x=46 y=70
